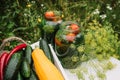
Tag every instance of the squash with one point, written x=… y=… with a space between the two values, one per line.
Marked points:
x=44 y=68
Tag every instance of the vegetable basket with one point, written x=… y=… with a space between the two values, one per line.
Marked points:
x=5 y=55
x=18 y=59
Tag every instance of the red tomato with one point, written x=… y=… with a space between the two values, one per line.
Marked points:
x=58 y=42
x=70 y=37
x=75 y=28
x=49 y=14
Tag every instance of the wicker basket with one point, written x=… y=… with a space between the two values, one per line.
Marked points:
x=7 y=40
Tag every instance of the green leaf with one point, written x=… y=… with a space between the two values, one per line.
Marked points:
x=11 y=25
x=119 y=50
x=11 y=34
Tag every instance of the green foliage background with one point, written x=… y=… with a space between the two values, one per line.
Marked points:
x=22 y=17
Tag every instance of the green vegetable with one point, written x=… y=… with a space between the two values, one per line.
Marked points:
x=28 y=52
x=45 y=47
x=19 y=76
x=25 y=68
x=13 y=66
x=33 y=76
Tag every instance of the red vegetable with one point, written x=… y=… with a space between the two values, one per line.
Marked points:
x=75 y=28
x=70 y=37
x=17 y=48
x=49 y=14
x=2 y=64
x=58 y=42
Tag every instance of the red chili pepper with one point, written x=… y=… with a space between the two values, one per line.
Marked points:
x=2 y=64
x=17 y=48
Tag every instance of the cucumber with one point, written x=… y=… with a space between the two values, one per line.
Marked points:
x=28 y=52
x=25 y=68
x=33 y=75
x=45 y=47
x=13 y=66
x=19 y=76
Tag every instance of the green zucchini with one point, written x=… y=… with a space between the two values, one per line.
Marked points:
x=13 y=66
x=45 y=47
x=28 y=52
x=25 y=68
x=19 y=76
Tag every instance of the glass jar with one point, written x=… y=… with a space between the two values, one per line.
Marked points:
x=66 y=35
x=66 y=39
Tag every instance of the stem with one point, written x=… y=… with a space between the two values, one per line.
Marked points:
x=18 y=3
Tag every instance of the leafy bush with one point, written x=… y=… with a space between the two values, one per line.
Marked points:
x=20 y=19
x=100 y=41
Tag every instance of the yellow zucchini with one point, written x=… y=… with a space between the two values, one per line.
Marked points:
x=44 y=68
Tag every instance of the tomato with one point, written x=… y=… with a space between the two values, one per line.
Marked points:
x=70 y=37
x=49 y=14
x=75 y=28
x=58 y=43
